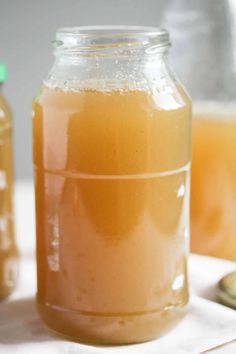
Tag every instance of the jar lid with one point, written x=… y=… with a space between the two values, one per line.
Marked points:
x=227 y=290
x=3 y=72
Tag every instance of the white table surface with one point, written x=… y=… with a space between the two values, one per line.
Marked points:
x=203 y=286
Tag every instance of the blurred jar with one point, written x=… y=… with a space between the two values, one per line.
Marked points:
x=112 y=132
x=207 y=29
x=8 y=251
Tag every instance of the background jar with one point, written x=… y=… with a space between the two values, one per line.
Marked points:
x=8 y=250
x=209 y=70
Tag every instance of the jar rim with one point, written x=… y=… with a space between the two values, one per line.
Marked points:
x=110 y=37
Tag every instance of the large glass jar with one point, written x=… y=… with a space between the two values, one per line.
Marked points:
x=8 y=251
x=111 y=135
x=209 y=70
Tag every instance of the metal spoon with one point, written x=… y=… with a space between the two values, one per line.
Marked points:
x=227 y=290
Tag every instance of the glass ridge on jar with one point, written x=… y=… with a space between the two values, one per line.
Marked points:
x=112 y=139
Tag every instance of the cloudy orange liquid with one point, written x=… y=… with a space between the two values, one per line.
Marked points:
x=8 y=252
x=111 y=177
x=213 y=184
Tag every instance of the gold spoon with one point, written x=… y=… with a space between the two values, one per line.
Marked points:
x=227 y=290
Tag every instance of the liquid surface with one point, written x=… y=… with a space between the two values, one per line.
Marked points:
x=111 y=178
x=8 y=253
x=213 y=183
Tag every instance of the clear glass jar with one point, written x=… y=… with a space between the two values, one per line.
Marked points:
x=111 y=135
x=209 y=70
x=8 y=251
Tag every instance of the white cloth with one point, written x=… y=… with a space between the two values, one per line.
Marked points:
x=206 y=326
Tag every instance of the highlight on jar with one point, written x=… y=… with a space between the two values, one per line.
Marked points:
x=111 y=153
x=8 y=249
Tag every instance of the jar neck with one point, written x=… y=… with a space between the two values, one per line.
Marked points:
x=109 y=60
x=126 y=43
x=72 y=58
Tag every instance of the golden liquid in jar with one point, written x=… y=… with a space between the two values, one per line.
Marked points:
x=111 y=182
x=8 y=252
x=213 y=182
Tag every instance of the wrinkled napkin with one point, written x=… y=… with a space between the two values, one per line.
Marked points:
x=207 y=324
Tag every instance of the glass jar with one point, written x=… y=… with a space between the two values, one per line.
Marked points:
x=8 y=251
x=111 y=135
x=212 y=87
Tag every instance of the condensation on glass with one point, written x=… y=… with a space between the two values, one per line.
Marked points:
x=111 y=135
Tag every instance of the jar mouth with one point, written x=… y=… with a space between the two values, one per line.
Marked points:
x=109 y=38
